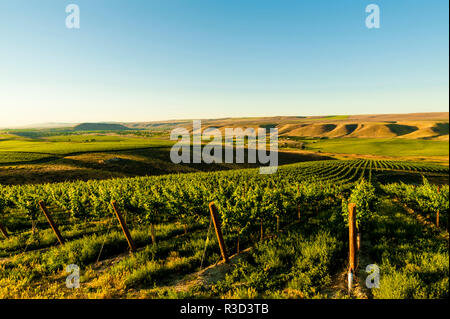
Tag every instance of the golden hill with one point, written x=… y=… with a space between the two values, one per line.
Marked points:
x=433 y=125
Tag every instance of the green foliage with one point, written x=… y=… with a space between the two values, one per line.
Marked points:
x=28 y=202
x=363 y=195
x=288 y=264
x=427 y=199
x=413 y=262
x=296 y=263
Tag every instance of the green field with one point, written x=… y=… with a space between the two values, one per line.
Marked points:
x=14 y=148
x=53 y=158
x=19 y=149
x=16 y=157
x=329 y=118
x=383 y=147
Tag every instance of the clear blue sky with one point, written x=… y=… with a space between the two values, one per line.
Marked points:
x=139 y=60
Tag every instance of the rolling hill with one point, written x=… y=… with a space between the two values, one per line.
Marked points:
x=408 y=126
x=433 y=125
x=100 y=127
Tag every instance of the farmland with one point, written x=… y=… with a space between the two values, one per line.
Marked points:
x=286 y=233
x=141 y=149
x=382 y=147
x=63 y=145
x=46 y=157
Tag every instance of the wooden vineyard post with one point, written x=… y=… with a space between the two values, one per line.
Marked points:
x=51 y=222
x=215 y=219
x=3 y=231
x=352 y=242
x=437 y=219
x=352 y=234
x=124 y=227
x=437 y=213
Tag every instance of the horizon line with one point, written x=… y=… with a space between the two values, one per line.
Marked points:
x=37 y=125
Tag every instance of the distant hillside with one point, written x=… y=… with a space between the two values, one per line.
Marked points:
x=407 y=130
x=433 y=125
x=100 y=127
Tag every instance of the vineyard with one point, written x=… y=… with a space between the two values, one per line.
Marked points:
x=290 y=229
